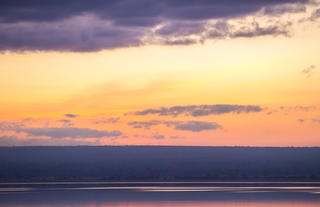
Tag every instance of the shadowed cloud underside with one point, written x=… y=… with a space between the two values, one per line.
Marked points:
x=95 y=25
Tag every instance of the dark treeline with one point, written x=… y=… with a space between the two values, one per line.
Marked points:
x=158 y=163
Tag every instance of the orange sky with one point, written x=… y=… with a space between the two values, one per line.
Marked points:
x=104 y=89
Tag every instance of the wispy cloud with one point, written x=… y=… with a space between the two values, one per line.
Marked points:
x=16 y=141
x=315 y=15
x=298 y=108
x=69 y=132
x=158 y=136
x=311 y=120
x=144 y=124
x=194 y=126
x=200 y=110
x=111 y=120
x=57 y=132
x=71 y=115
x=197 y=126
x=284 y=8
x=308 y=71
x=66 y=122
x=316 y=120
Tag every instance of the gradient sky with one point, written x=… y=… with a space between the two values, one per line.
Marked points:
x=160 y=72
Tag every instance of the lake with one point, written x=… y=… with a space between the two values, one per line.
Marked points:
x=160 y=194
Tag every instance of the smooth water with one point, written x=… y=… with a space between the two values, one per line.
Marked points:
x=160 y=194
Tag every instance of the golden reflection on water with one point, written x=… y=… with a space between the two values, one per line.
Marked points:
x=105 y=195
x=238 y=189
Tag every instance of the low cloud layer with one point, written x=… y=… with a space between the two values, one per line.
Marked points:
x=194 y=126
x=158 y=136
x=69 y=132
x=200 y=110
x=298 y=108
x=111 y=120
x=83 y=25
x=144 y=124
x=312 y=120
x=57 y=132
x=197 y=126
x=15 y=141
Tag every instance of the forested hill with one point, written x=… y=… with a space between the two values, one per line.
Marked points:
x=158 y=163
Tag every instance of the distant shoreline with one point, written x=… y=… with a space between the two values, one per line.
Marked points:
x=44 y=181
x=159 y=164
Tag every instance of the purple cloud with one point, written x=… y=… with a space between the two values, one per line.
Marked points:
x=15 y=141
x=58 y=132
x=200 y=110
x=197 y=126
x=83 y=25
x=69 y=132
x=194 y=126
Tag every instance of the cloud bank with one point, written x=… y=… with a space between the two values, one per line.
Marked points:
x=197 y=126
x=200 y=110
x=15 y=141
x=83 y=25
x=194 y=126
x=69 y=132
x=57 y=132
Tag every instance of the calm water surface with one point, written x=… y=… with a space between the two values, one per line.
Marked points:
x=161 y=194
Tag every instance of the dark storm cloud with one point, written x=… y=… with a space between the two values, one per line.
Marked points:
x=83 y=25
x=54 y=10
x=200 y=110
x=181 y=28
x=285 y=8
x=79 y=34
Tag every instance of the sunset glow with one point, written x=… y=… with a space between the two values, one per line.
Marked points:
x=247 y=79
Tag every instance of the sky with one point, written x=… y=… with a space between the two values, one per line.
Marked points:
x=160 y=72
